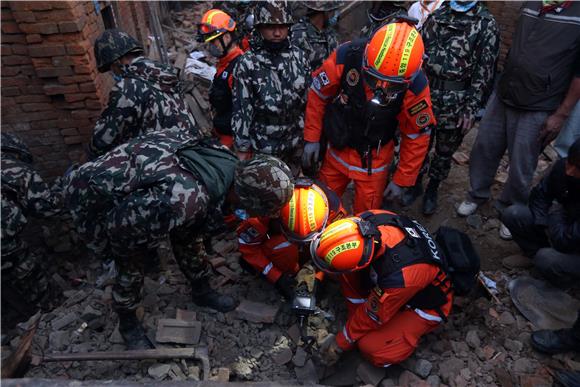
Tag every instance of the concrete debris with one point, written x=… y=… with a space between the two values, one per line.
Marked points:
x=370 y=374
x=299 y=358
x=307 y=374
x=409 y=379
x=472 y=339
x=282 y=357
x=256 y=312
x=506 y=318
x=64 y=321
x=461 y=158
x=185 y=315
x=423 y=368
x=159 y=371
x=176 y=331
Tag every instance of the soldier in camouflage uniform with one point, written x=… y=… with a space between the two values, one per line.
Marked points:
x=269 y=94
x=462 y=46
x=146 y=96
x=125 y=202
x=314 y=34
x=381 y=13
x=24 y=194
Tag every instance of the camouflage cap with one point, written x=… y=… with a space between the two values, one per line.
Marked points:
x=273 y=12
x=111 y=45
x=12 y=143
x=263 y=185
x=322 y=6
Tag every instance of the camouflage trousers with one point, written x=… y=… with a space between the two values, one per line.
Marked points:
x=23 y=271
x=189 y=253
x=446 y=139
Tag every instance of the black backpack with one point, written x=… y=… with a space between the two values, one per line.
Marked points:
x=463 y=262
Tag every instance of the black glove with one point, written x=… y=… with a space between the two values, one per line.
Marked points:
x=285 y=286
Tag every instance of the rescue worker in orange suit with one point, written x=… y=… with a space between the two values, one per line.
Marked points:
x=278 y=247
x=358 y=98
x=218 y=29
x=393 y=279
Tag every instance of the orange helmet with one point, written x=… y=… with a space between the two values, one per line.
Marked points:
x=346 y=245
x=393 y=57
x=214 y=24
x=306 y=214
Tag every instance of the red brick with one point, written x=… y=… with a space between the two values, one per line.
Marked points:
x=14 y=81
x=73 y=140
x=44 y=125
x=44 y=50
x=35 y=107
x=56 y=15
x=9 y=27
x=77 y=97
x=32 y=98
x=75 y=79
x=64 y=38
x=36 y=116
x=69 y=132
x=6 y=14
x=72 y=26
x=8 y=102
x=27 y=70
x=74 y=105
x=15 y=60
x=52 y=72
x=62 y=61
x=41 y=62
x=20 y=49
x=33 y=38
x=78 y=48
x=10 y=71
x=9 y=91
x=53 y=89
x=24 y=16
x=83 y=69
x=93 y=104
x=88 y=87
x=39 y=28
x=63 y=4
x=84 y=114
x=31 y=5
x=13 y=38
x=5 y=49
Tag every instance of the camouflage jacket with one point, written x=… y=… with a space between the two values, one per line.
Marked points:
x=461 y=47
x=147 y=99
x=390 y=13
x=145 y=182
x=24 y=193
x=317 y=45
x=269 y=97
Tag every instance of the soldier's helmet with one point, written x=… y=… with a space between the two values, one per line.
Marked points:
x=273 y=12
x=112 y=45
x=13 y=144
x=263 y=185
x=321 y=6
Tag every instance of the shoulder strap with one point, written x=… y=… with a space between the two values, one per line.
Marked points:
x=350 y=81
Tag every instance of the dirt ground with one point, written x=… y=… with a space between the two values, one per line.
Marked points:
x=485 y=342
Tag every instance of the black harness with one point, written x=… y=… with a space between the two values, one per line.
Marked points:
x=418 y=246
x=220 y=98
x=350 y=120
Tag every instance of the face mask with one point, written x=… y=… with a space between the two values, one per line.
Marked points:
x=462 y=6
x=117 y=77
x=241 y=214
x=276 y=46
x=215 y=51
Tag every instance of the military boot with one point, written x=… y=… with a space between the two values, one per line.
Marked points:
x=132 y=331
x=412 y=193
x=430 y=198
x=203 y=295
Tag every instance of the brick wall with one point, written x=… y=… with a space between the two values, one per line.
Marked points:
x=506 y=14
x=51 y=92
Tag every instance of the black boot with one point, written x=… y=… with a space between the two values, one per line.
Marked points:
x=412 y=193
x=203 y=295
x=561 y=340
x=430 y=198
x=132 y=331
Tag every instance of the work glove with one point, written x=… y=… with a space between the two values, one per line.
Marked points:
x=330 y=352
x=286 y=285
x=393 y=191
x=310 y=155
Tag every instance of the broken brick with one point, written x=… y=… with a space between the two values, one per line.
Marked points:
x=170 y=330
x=256 y=312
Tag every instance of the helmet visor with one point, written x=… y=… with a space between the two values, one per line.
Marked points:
x=206 y=32
x=388 y=85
